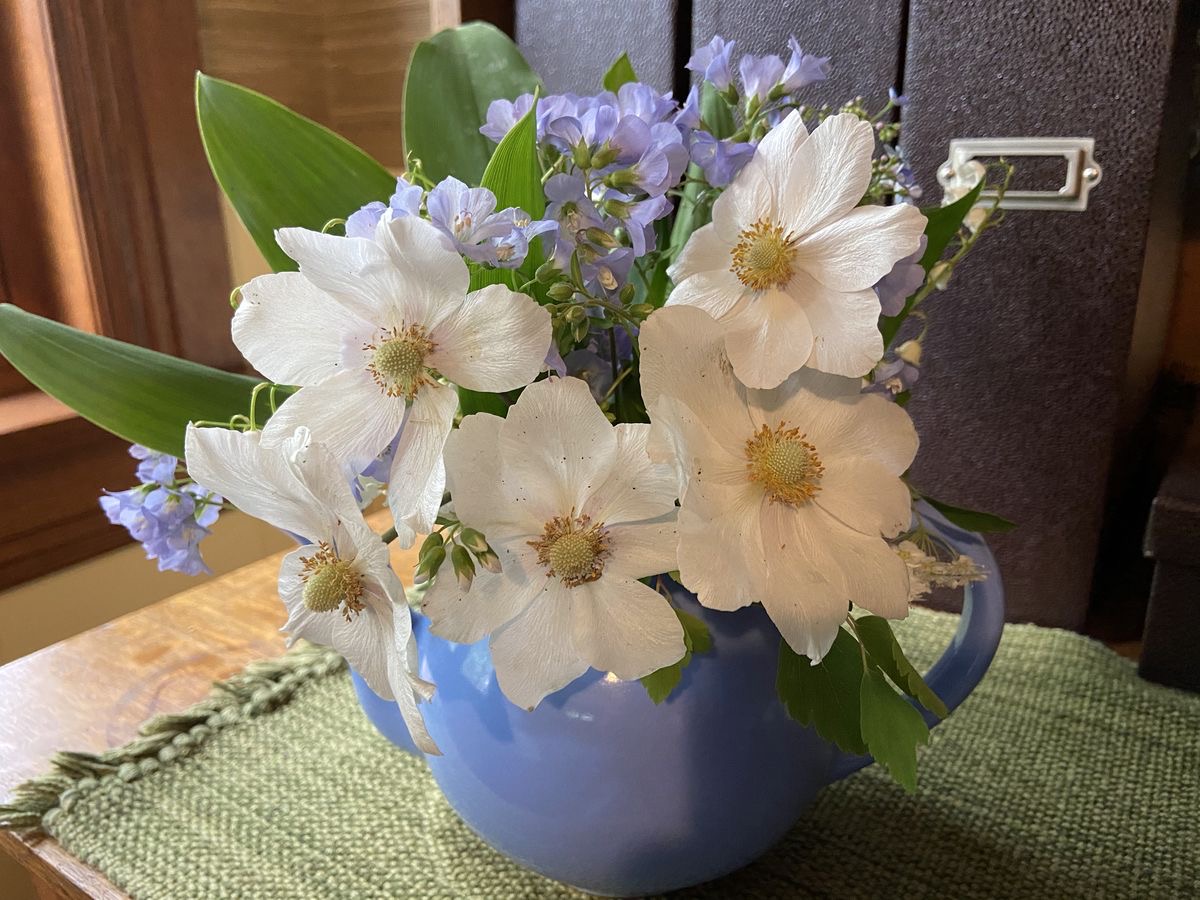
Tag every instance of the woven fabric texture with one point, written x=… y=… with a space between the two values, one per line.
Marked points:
x=1063 y=776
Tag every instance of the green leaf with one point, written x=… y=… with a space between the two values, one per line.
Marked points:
x=943 y=222
x=513 y=173
x=619 y=73
x=140 y=395
x=971 y=519
x=470 y=402
x=696 y=638
x=825 y=696
x=280 y=169
x=884 y=651
x=452 y=79
x=891 y=728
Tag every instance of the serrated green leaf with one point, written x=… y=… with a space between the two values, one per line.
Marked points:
x=825 y=696
x=619 y=73
x=971 y=519
x=875 y=634
x=891 y=728
x=452 y=79
x=697 y=639
x=280 y=169
x=140 y=395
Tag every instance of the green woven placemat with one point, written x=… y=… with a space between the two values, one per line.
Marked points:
x=1064 y=775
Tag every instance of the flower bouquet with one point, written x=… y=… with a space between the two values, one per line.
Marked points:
x=633 y=372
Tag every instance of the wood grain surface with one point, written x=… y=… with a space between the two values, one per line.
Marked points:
x=92 y=692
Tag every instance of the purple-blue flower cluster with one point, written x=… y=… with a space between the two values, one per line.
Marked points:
x=166 y=515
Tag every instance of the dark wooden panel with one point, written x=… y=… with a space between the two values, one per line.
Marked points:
x=863 y=38
x=1027 y=354
x=571 y=45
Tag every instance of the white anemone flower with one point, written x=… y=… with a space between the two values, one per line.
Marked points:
x=788 y=264
x=339 y=588
x=577 y=513
x=789 y=493
x=365 y=328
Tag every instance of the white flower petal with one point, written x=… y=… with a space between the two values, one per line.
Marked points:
x=255 y=479
x=643 y=549
x=749 y=198
x=366 y=639
x=355 y=271
x=865 y=496
x=475 y=481
x=349 y=414
x=425 y=259
x=845 y=327
x=768 y=339
x=624 y=627
x=778 y=150
x=557 y=447
x=853 y=252
x=534 y=654
x=418 y=475
x=825 y=176
x=495 y=340
x=721 y=553
x=493 y=600
x=841 y=422
x=292 y=332
x=302 y=622
x=718 y=292
x=636 y=488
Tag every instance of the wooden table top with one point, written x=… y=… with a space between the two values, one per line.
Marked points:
x=91 y=692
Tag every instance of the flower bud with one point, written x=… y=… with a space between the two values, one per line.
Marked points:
x=431 y=543
x=473 y=540
x=910 y=352
x=621 y=179
x=627 y=293
x=547 y=273
x=561 y=291
x=579 y=330
x=575 y=314
x=464 y=567
x=581 y=155
x=604 y=156
x=641 y=310
x=601 y=237
x=940 y=275
x=489 y=560
x=429 y=564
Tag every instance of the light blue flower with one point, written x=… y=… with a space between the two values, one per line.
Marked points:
x=469 y=218
x=760 y=75
x=712 y=62
x=155 y=467
x=803 y=68
x=406 y=201
x=902 y=282
x=720 y=160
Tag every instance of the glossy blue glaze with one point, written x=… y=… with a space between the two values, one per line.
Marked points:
x=601 y=789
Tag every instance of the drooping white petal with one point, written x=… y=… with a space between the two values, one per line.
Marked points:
x=825 y=176
x=557 y=447
x=842 y=422
x=635 y=488
x=349 y=414
x=495 y=340
x=292 y=332
x=624 y=627
x=535 y=654
x=493 y=600
x=354 y=271
x=853 y=252
x=255 y=479
x=845 y=325
x=323 y=476
x=418 y=475
x=643 y=549
x=768 y=339
x=865 y=496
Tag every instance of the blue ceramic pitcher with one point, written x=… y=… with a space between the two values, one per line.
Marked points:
x=603 y=790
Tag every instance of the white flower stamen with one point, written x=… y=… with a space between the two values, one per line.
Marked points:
x=573 y=549
x=785 y=464
x=331 y=582
x=397 y=360
x=763 y=256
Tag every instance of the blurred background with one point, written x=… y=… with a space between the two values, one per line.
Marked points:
x=1059 y=380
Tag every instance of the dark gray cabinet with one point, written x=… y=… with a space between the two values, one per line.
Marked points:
x=1029 y=352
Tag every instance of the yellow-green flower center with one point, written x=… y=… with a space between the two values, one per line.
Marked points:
x=785 y=464
x=331 y=583
x=763 y=256
x=398 y=360
x=573 y=549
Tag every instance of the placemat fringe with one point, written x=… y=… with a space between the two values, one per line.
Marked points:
x=261 y=687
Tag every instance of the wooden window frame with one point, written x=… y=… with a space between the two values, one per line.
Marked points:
x=112 y=224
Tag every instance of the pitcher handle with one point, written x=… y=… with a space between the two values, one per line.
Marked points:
x=964 y=662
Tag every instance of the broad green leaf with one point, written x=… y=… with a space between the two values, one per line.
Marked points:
x=619 y=73
x=971 y=519
x=891 y=728
x=696 y=638
x=452 y=79
x=140 y=395
x=513 y=173
x=943 y=222
x=280 y=169
x=825 y=696
x=884 y=651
